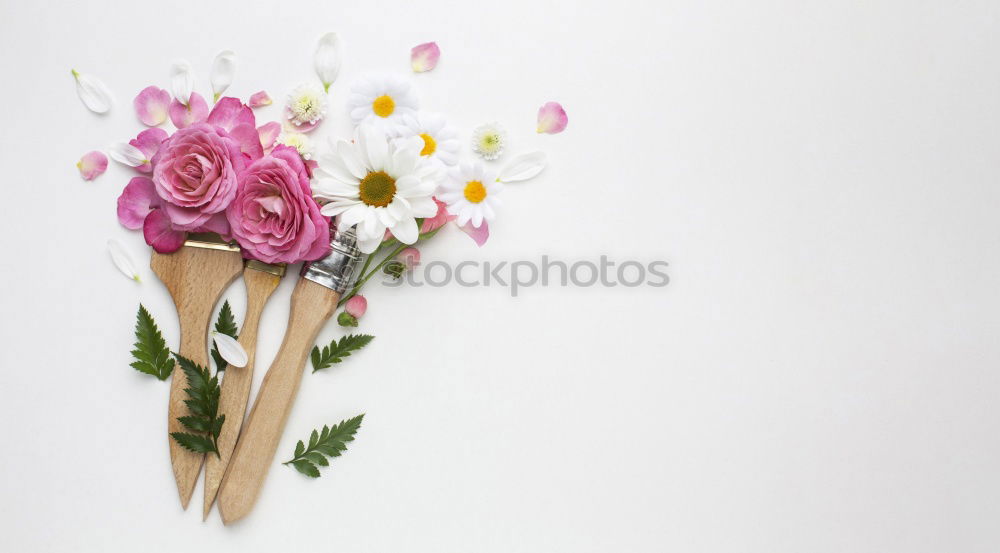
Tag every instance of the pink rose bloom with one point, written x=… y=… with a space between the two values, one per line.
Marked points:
x=195 y=172
x=274 y=218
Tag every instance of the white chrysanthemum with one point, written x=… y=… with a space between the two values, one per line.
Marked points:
x=306 y=105
x=471 y=191
x=297 y=140
x=441 y=143
x=382 y=100
x=377 y=185
x=488 y=140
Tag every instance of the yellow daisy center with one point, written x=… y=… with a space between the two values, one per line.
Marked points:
x=429 y=144
x=384 y=105
x=475 y=192
x=377 y=189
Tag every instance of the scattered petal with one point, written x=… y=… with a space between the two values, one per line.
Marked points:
x=151 y=105
x=183 y=116
x=523 y=167
x=122 y=260
x=259 y=99
x=230 y=349
x=356 y=306
x=148 y=142
x=160 y=234
x=223 y=70
x=424 y=57
x=552 y=118
x=92 y=165
x=136 y=202
x=268 y=133
x=127 y=154
x=181 y=81
x=327 y=59
x=93 y=92
x=479 y=235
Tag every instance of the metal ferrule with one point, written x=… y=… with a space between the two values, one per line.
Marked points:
x=336 y=271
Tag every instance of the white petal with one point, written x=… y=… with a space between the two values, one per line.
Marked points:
x=230 y=349
x=127 y=154
x=354 y=215
x=182 y=81
x=406 y=231
x=223 y=70
x=327 y=59
x=523 y=167
x=375 y=146
x=122 y=260
x=93 y=92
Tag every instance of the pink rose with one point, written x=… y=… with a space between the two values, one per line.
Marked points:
x=196 y=174
x=274 y=218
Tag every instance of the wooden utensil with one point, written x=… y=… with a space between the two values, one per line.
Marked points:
x=313 y=302
x=196 y=275
x=261 y=280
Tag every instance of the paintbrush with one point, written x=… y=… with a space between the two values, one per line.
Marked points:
x=313 y=302
x=261 y=280
x=195 y=275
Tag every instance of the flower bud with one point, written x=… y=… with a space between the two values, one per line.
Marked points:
x=356 y=306
x=345 y=319
x=410 y=257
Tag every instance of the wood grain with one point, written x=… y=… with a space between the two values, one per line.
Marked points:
x=196 y=278
x=237 y=380
x=312 y=306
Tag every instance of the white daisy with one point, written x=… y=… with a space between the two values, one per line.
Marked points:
x=488 y=140
x=377 y=185
x=441 y=144
x=306 y=105
x=382 y=100
x=471 y=191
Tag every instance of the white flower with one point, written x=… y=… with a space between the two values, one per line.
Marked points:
x=382 y=100
x=223 y=71
x=377 y=185
x=471 y=191
x=488 y=140
x=298 y=141
x=441 y=143
x=93 y=92
x=327 y=59
x=306 y=105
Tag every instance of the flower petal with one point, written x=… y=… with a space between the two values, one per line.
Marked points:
x=127 y=154
x=424 y=57
x=223 y=70
x=92 y=165
x=122 y=260
x=136 y=201
x=327 y=59
x=268 y=133
x=195 y=111
x=230 y=112
x=480 y=234
x=552 y=118
x=148 y=142
x=182 y=81
x=151 y=105
x=523 y=167
x=259 y=99
x=93 y=92
x=230 y=349
x=160 y=234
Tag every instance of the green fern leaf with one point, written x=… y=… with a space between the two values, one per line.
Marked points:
x=331 y=442
x=336 y=351
x=152 y=356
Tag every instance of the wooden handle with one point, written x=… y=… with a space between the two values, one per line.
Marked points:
x=312 y=306
x=196 y=278
x=237 y=380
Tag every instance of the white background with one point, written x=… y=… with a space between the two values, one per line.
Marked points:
x=820 y=375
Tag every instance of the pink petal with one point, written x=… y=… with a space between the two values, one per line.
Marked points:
x=260 y=99
x=268 y=133
x=136 y=201
x=184 y=116
x=148 y=142
x=356 y=306
x=218 y=224
x=424 y=57
x=92 y=165
x=230 y=112
x=249 y=140
x=160 y=234
x=552 y=118
x=151 y=105
x=478 y=234
x=438 y=220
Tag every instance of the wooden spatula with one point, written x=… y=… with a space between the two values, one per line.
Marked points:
x=261 y=280
x=196 y=275
x=313 y=302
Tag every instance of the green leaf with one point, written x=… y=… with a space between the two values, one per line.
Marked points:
x=152 y=356
x=328 y=443
x=225 y=324
x=337 y=351
x=203 y=403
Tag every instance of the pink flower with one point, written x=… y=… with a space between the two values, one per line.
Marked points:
x=151 y=105
x=424 y=57
x=356 y=306
x=196 y=173
x=238 y=120
x=438 y=220
x=183 y=116
x=552 y=118
x=268 y=134
x=273 y=217
x=409 y=257
x=92 y=165
x=148 y=142
x=259 y=99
